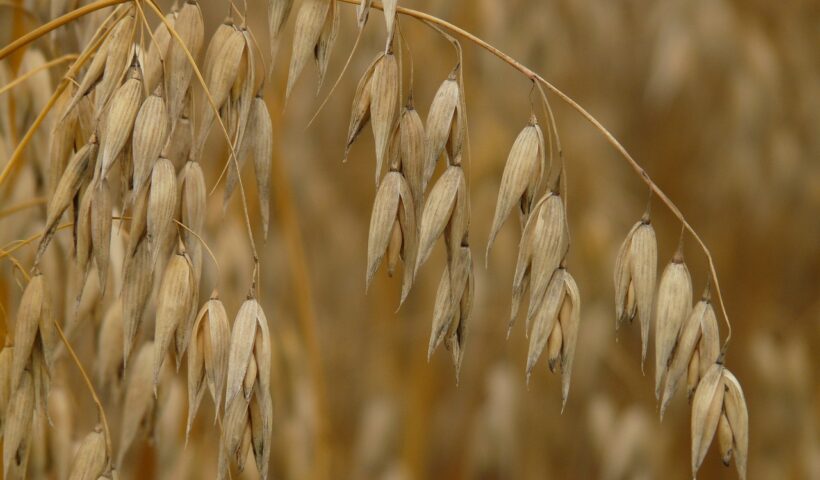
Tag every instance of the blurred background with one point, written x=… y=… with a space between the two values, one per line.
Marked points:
x=719 y=100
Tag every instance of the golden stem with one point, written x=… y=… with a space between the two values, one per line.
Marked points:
x=22 y=78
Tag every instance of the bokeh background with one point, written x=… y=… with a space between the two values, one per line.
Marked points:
x=719 y=100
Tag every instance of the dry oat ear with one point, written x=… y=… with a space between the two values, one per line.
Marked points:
x=737 y=416
x=672 y=309
x=384 y=216
x=706 y=410
x=360 y=112
x=138 y=281
x=549 y=247
x=278 y=13
x=101 y=209
x=17 y=428
x=383 y=106
x=324 y=46
x=173 y=303
x=119 y=121
x=521 y=176
x=438 y=211
x=412 y=153
x=118 y=54
x=162 y=205
x=569 y=318
x=152 y=67
x=91 y=458
x=439 y=123
x=545 y=318
x=151 y=129
x=310 y=22
x=178 y=69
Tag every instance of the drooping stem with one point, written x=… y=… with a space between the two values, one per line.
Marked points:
x=587 y=116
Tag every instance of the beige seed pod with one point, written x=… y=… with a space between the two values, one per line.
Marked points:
x=261 y=413
x=706 y=410
x=221 y=74
x=173 y=303
x=149 y=138
x=392 y=214
x=310 y=22
x=17 y=428
x=569 y=317
x=692 y=376
x=118 y=53
x=101 y=209
x=709 y=345
x=383 y=105
x=119 y=123
x=234 y=424
x=545 y=319
x=250 y=322
x=138 y=281
x=152 y=67
x=208 y=356
x=263 y=156
x=737 y=415
x=360 y=111
x=439 y=209
x=109 y=362
x=363 y=12
x=554 y=347
x=278 y=12
x=412 y=152
x=61 y=142
x=178 y=69
x=139 y=402
x=91 y=458
x=548 y=248
x=27 y=326
x=218 y=40
x=451 y=289
x=162 y=201
x=178 y=146
x=324 y=46
x=522 y=175
x=672 y=310
x=725 y=440
x=192 y=201
x=82 y=232
x=439 y=123
x=389 y=7
x=635 y=278
x=76 y=173
x=686 y=347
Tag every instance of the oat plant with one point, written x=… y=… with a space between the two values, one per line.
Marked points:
x=121 y=145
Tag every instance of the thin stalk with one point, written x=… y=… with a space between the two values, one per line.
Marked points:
x=22 y=78
x=587 y=116
x=56 y=23
x=23 y=206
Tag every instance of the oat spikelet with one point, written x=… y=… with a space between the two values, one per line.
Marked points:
x=75 y=174
x=120 y=44
x=91 y=459
x=412 y=152
x=250 y=340
x=693 y=330
x=672 y=310
x=706 y=410
x=310 y=22
x=34 y=329
x=453 y=308
x=439 y=123
x=192 y=201
x=119 y=123
x=439 y=210
x=360 y=112
x=262 y=149
x=17 y=428
x=178 y=69
x=150 y=135
x=173 y=302
x=522 y=175
x=324 y=46
x=278 y=12
x=208 y=356
x=152 y=67
x=138 y=280
x=383 y=105
x=162 y=201
x=101 y=209
x=363 y=12
x=736 y=414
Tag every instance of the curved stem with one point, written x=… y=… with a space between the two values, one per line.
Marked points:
x=56 y=23
x=591 y=119
x=22 y=78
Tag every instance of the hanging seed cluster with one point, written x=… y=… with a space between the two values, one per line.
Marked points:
x=125 y=160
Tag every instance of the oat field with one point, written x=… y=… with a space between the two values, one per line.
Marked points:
x=399 y=240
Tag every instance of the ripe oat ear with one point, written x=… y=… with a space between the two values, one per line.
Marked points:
x=91 y=458
x=439 y=123
x=310 y=22
x=278 y=13
x=673 y=308
x=383 y=106
x=737 y=415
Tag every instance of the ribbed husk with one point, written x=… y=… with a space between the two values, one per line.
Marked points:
x=139 y=402
x=208 y=357
x=17 y=428
x=310 y=22
x=384 y=106
x=173 y=305
x=178 y=69
x=439 y=123
x=150 y=136
x=278 y=13
x=91 y=459
x=672 y=309
x=119 y=121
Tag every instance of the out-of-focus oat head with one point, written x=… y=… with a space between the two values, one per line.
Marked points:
x=397 y=240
